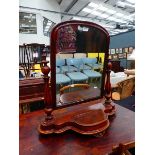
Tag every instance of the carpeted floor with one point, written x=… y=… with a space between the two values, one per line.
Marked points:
x=127 y=103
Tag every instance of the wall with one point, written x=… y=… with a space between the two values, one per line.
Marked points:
x=40 y=4
x=123 y=40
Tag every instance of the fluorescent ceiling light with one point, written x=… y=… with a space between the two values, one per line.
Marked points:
x=108 y=26
x=119 y=20
x=104 y=15
x=123 y=4
x=119 y=14
x=102 y=8
x=127 y=18
x=93 y=5
x=112 y=18
x=111 y=11
x=76 y=18
x=87 y=10
x=47 y=28
x=48 y=24
x=96 y=13
x=131 y=1
x=121 y=30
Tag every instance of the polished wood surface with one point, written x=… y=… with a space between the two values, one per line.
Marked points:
x=123 y=148
x=31 y=90
x=80 y=95
x=88 y=118
x=121 y=130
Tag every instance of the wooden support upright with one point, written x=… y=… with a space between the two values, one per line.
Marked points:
x=45 y=124
x=109 y=105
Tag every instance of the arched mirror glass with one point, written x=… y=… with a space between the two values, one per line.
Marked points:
x=79 y=52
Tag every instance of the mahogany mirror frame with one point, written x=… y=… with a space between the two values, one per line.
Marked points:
x=53 y=51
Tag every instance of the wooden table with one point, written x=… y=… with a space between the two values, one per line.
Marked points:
x=122 y=129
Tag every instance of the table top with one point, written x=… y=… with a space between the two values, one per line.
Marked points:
x=122 y=129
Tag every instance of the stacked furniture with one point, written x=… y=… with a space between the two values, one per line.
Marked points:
x=76 y=70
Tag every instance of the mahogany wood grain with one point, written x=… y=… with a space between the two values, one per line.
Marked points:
x=78 y=96
x=121 y=130
x=31 y=90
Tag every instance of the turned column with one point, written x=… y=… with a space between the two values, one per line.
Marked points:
x=47 y=95
x=109 y=105
x=46 y=124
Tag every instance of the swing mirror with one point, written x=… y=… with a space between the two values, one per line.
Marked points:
x=79 y=52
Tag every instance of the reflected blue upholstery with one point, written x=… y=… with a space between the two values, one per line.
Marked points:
x=61 y=79
x=68 y=69
x=76 y=76
x=92 y=62
x=92 y=74
x=76 y=63
x=57 y=70
x=60 y=63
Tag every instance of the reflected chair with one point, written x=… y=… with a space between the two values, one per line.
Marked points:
x=124 y=149
x=69 y=67
x=92 y=62
x=63 y=68
x=89 y=72
x=60 y=63
x=125 y=88
x=61 y=78
x=76 y=76
x=57 y=70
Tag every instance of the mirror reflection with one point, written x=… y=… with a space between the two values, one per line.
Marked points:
x=79 y=63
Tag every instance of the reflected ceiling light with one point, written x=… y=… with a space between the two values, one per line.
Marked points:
x=87 y=10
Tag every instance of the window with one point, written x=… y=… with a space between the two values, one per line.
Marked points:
x=47 y=26
x=27 y=23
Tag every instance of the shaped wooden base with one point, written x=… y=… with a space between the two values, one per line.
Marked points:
x=87 y=118
x=110 y=109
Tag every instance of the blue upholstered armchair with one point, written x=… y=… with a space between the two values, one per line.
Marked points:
x=92 y=62
x=76 y=76
x=90 y=72
x=61 y=78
